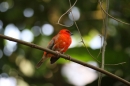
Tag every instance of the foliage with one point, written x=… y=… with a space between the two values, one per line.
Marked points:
x=48 y=12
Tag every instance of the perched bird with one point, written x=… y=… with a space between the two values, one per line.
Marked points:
x=59 y=43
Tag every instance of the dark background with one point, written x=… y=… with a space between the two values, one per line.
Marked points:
x=20 y=62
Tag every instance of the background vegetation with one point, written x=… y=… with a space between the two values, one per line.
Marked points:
x=29 y=17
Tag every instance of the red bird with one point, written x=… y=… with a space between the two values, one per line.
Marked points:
x=59 y=43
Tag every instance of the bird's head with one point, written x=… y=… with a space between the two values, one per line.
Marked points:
x=65 y=31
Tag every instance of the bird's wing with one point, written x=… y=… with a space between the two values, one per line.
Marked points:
x=50 y=46
x=53 y=59
x=51 y=43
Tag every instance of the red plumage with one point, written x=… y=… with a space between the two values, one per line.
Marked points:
x=59 y=43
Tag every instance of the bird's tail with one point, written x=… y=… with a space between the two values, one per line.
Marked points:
x=40 y=62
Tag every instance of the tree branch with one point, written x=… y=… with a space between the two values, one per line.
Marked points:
x=66 y=57
x=81 y=36
x=100 y=3
x=105 y=25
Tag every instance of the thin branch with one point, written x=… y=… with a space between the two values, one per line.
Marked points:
x=66 y=57
x=65 y=14
x=101 y=46
x=111 y=16
x=105 y=21
x=81 y=35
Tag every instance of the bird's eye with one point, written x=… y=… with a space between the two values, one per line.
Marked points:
x=68 y=31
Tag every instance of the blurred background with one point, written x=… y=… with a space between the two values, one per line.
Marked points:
x=35 y=21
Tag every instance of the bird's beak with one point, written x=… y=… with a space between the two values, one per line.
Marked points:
x=71 y=33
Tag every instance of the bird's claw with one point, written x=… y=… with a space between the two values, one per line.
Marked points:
x=58 y=53
x=68 y=57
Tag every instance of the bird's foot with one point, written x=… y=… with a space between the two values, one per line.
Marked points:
x=58 y=53
x=68 y=57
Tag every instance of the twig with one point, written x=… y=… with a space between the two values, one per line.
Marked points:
x=81 y=35
x=111 y=16
x=65 y=14
x=105 y=20
x=101 y=46
x=66 y=57
x=108 y=64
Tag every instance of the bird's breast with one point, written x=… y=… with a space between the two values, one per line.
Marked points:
x=63 y=43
